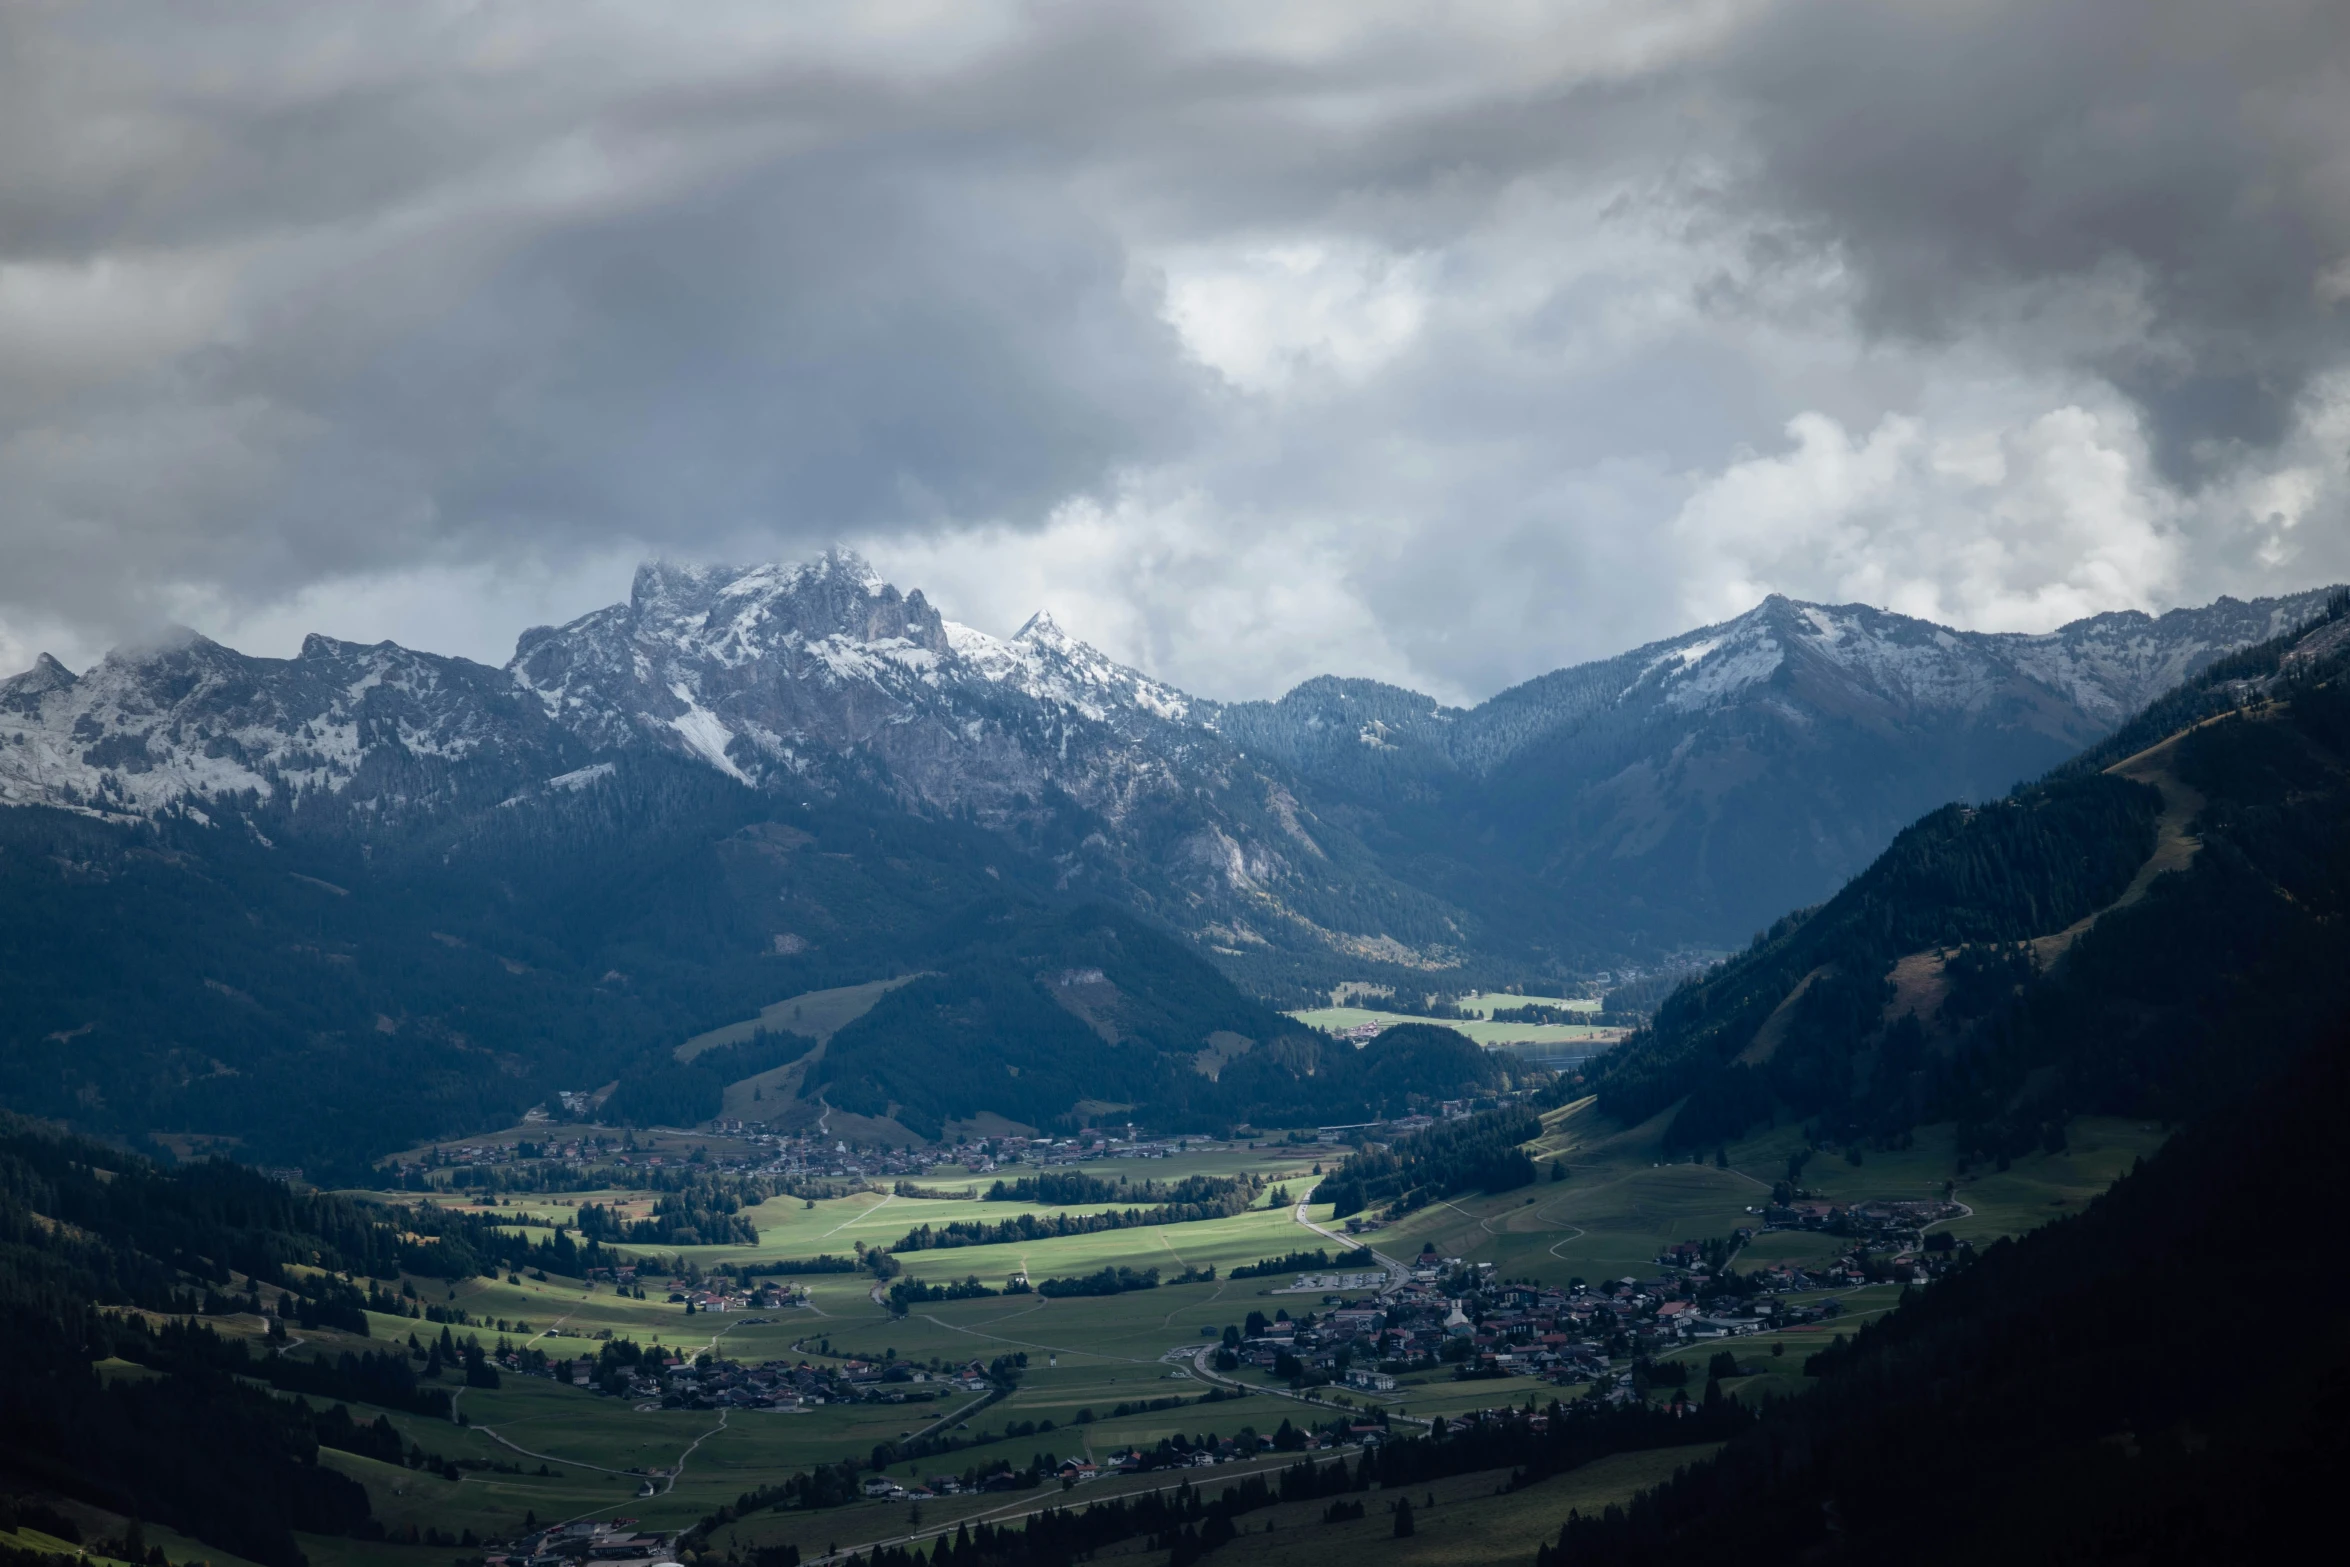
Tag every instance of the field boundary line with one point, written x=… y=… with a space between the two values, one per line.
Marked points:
x=1054 y=1349
x=860 y=1214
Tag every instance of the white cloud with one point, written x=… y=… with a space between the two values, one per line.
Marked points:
x=1266 y=317
x=2004 y=528
x=1175 y=584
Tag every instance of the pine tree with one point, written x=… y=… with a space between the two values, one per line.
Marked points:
x=1403 y=1518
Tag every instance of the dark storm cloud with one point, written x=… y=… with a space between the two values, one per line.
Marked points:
x=1450 y=312
x=1967 y=157
x=825 y=347
x=467 y=309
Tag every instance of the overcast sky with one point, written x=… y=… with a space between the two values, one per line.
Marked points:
x=1446 y=344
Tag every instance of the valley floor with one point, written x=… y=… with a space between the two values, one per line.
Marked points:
x=547 y=1452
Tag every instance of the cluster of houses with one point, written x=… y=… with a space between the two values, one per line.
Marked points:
x=1890 y=1241
x=573 y=1544
x=705 y=1292
x=755 y=1148
x=1451 y=1314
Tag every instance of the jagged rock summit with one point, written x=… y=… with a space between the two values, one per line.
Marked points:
x=768 y=673
x=803 y=673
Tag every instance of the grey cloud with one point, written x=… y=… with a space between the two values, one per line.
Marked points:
x=1973 y=158
x=806 y=350
x=427 y=289
x=822 y=310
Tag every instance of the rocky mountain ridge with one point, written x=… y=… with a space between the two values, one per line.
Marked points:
x=2102 y=668
x=1347 y=825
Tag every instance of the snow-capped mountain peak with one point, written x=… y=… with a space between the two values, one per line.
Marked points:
x=820 y=676
x=2106 y=666
x=179 y=718
x=801 y=669
x=1041 y=628
x=1045 y=663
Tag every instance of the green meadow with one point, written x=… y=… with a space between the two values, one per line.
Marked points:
x=1483 y=1031
x=1617 y=1206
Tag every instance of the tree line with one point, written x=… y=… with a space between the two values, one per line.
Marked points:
x=1479 y=1152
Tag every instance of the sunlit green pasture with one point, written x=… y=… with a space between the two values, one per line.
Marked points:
x=1484 y=1032
x=1618 y=1206
x=1621 y=1205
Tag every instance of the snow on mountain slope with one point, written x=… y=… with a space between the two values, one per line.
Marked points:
x=783 y=672
x=1881 y=666
x=2114 y=664
x=822 y=675
x=791 y=671
x=185 y=720
x=1687 y=791
x=1044 y=662
x=1804 y=732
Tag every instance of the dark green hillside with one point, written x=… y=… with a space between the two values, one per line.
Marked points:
x=321 y=998
x=93 y=1241
x=2053 y=1402
x=1998 y=874
x=297 y=993
x=1032 y=1016
x=1957 y=978
x=668 y=1092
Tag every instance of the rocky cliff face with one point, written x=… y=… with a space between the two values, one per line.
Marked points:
x=791 y=674
x=1665 y=797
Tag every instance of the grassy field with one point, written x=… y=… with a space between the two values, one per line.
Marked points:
x=1616 y=1208
x=1619 y=1206
x=1483 y=1031
x=818 y=1014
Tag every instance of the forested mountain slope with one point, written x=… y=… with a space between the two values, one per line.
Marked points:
x=1100 y=1010
x=2144 y=928
x=317 y=997
x=314 y=997
x=100 y=1251
x=2052 y=1402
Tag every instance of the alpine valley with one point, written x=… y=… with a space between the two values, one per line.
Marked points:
x=323 y=906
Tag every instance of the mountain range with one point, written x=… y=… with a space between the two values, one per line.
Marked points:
x=2143 y=931
x=2154 y=928
x=1608 y=815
